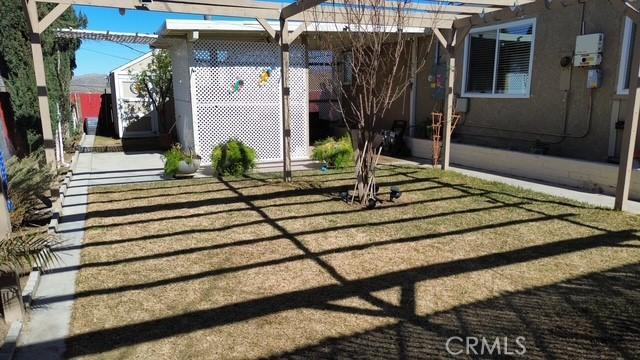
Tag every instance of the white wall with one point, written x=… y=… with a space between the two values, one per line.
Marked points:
x=597 y=177
x=180 y=55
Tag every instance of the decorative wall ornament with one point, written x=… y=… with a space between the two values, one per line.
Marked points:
x=265 y=76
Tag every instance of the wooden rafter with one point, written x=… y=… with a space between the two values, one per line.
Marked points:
x=52 y=16
x=186 y=7
x=267 y=27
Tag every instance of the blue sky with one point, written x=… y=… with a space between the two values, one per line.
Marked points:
x=101 y=57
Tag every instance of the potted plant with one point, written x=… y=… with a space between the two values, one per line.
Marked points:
x=180 y=164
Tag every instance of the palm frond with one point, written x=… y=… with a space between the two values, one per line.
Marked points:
x=27 y=249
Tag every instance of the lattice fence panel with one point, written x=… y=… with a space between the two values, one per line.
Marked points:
x=232 y=99
x=299 y=103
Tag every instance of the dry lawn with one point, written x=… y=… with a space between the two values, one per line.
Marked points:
x=253 y=268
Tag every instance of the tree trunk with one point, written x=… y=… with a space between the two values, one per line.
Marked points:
x=366 y=161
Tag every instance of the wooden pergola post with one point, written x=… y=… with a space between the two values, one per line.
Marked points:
x=37 y=27
x=630 y=131
x=286 y=90
x=451 y=79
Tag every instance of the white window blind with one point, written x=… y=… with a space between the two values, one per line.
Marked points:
x=498 y=60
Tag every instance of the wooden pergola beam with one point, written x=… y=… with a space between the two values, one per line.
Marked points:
x=285 y=90
x=52 y=16
x=298 y=7
x=441 y=38
x=267 y=27
x=35 y=38
x=451 y=80
x=222 y=8
x=441 y=7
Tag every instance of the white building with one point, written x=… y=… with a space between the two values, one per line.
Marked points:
x=226 y=79
x=131 y=118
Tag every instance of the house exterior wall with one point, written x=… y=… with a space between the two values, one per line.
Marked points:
x=429 y=64
x=537 y=122
x=519 y=124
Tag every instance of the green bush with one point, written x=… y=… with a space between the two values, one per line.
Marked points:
x=233 y=158
x=337 y=154
x=29 y=179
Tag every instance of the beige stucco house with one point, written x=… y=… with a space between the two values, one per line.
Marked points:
x=524 y=92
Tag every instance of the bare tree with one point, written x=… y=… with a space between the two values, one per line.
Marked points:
x=371 y=51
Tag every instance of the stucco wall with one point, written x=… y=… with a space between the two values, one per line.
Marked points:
x=591 y=176
x=543 y=111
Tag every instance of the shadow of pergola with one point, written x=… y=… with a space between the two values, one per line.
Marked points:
x=594 y=316
x=591 y=315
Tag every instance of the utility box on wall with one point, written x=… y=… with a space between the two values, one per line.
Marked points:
x=594 y=78
x=589 y=50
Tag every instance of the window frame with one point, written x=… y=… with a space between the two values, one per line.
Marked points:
x=624 y=64
x=467 y=43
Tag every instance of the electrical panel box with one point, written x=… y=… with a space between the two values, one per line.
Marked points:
x=589 y=44
x=587 y=60
x=588 y=50
x=594 y=78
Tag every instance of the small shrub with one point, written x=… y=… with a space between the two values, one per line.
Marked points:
x=337 y=154
x=172 y=158
x=29 y=179
x=233 y=158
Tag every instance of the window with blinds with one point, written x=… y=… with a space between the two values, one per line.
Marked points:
x=498 y=60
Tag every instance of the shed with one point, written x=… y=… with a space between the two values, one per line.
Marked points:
x=227 y=84
x=131 y=117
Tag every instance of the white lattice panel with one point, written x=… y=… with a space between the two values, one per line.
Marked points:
x=299 y=103
x=230 y=101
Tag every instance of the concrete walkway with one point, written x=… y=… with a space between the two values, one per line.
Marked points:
x=593 y=199
x=48 y=325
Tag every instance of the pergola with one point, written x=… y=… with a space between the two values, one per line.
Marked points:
x=450 y=22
